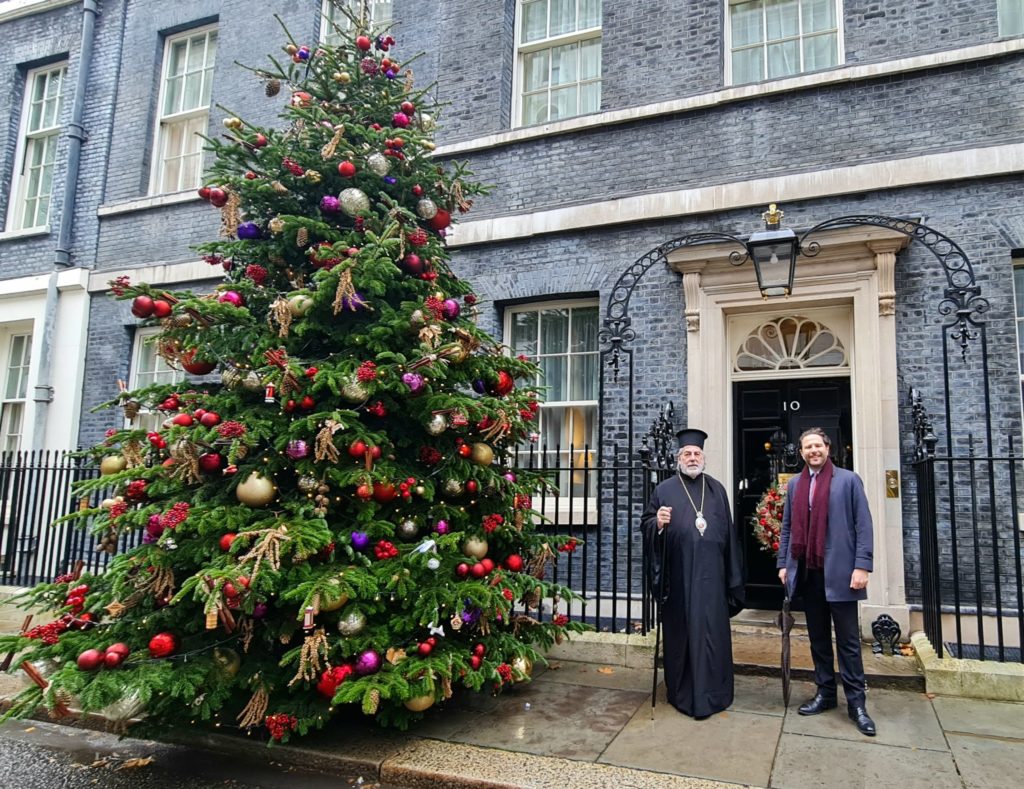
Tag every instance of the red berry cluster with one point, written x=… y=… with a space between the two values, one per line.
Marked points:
x=569 y=546
x=118 y=285
x=117 y=509
x=435 y=306
x=156 y=440
x=377 y=409
x=393 y=147
x=417 y=237
x=561 y=620
x=522 y=502
x=136 y=490
x=213 y=260
x=470 y=299
x=322 y=256
x=256 y=273
x=383 y=42
x=367 y=371
x=508 y=594
x=292 y=166
x=385 y=550
x=429 y=456
x=280 y=724
x=405 y=487
x=505 y=672
x=175 y=515
x=231 y=430
x=492 y=522
x=48 y=633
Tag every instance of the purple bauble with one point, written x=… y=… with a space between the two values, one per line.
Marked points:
x=451 y=309
x=232 y=297
x=510 y=477
x=153 y=526
x=329 y=204
x=414 y=381
x=297 y=449
x=354 y=303
x=360 y=540
x=390 y=179
x=248 y=231
x=367 y=662
x=413 y=264
x=441 y=527
x=479 y=386
x=259 y=610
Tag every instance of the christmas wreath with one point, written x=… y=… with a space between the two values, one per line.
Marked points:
x=767 y=518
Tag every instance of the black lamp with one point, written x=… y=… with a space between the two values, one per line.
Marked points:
x=774 y=252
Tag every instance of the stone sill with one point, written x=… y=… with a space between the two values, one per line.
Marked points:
x=975 y=679
x=147 y=203
x=32 y=232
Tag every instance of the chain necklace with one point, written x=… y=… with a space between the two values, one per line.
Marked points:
x=700 y=523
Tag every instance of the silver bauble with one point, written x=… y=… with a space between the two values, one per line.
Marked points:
x=437 y=424
x=426 y=208
x=307 y=484
x=452 y=487
x=378 y=163
x=252 y=382
x=354 y=201
x=408 y=529
x=417 y=320
x=354 y=391
x=475 y=547
x=299 y=305
x=426 y=121
x=352 y=623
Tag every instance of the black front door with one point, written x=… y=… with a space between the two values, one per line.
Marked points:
x=769 y=418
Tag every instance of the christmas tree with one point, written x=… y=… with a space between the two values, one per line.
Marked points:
x=329 y=514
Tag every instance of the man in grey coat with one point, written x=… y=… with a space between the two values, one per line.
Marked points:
x=825 y=555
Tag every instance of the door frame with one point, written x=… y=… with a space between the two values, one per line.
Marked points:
x=854 y=271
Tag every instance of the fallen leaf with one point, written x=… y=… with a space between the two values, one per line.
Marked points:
x=132 y=764
x=100 y=763
x=606 y=670
x=30 y=729
x=554 y=666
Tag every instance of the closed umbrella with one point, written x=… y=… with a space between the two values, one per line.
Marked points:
x=785 y=623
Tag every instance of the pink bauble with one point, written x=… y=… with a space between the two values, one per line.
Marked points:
x=232 y=297
x=451 y=308
x=368 y=662
x=510 y=477
x=400 y=119
x=441 y=527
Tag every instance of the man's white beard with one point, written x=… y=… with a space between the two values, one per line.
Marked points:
x=692 y=471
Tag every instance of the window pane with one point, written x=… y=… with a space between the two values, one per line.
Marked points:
x=552 y=420
x=748 y=65
x=590 y=59
x=563 y=17
x=524 y=333
x=590 y=14
x=554 y=331
x=172 y=95
x=584 y=377
x=584 y=329
x=747 y=22
x=783 y=19
x=590 y=97
x=535 y=108
x=17 y=366
x=820 y=52
x=553 y=370
x=818 y=15
x=1011 y=17
x=1018 y=287
x=10 y=430
x=535 y=22
x=563 y=103
x=783 y=59
x=535 y=75
x=563 y=65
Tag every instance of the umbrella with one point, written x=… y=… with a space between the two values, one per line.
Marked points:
x=658 y=581
x=785 y=622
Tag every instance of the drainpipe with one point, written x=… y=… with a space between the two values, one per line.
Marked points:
x=42 y=394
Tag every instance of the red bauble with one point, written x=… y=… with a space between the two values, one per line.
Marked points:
x=408 y=107
x=357 y=448
x=112 y=659
x=142 y=306
x=413 y=264
x=184 y=420
x=384 y=492
x=226 y=540
x=346 y=169
x=161 y=308
x=514 y=562
x=465 y=450
x=364 y=43
x=162 y=645
x=210 y=462
x=119 y=648
x=440 y=220
x=204 y=192
x=364 y=492
x=417 y=190
x=260 y=141
x=196 y=366
x=471 y=486
x=307 y=403
x=424 y=649
x=478 y=570
x=218 y=197
x=210 y=419
x=480 y=650
x=488 y=564
x=503 y=385
x=90 y=660
x=462 y=569
x=475 y=661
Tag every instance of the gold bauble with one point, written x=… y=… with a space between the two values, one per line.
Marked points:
x=332 y=598
x=352 y=623
x=522 y=669
x=299 y=305
x=112 y=464
x=482 y=454
x=231 y=377
x=452 y=487
x=420 y=703
x=476 y=547
x=252 y=382
x=276 y=225
x=307 y=483
x=106 y=504
x=227 y=661
x=256 y=491
x=312 y=176
x=437 y=424
x=354 y=392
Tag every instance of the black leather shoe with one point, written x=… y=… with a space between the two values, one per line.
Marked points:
x=859 y=715
x=817 y=705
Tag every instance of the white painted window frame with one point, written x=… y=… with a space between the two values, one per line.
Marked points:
x=518 y=70
x=156 y=180
x=162 y=373
x=27 y=140
x=378 y=15
x=727 y=65
x=8 y=335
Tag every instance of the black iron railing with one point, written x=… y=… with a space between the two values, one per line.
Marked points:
x=972 y=578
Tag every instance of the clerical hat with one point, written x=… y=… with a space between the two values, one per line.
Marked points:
x=691 y=437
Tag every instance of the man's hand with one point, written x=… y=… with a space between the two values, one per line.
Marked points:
x=782 y=576
x=859 y=579
x=664 y=515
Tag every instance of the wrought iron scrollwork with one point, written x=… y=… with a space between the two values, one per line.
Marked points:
x=924 y=435
x=886 y=630
x=657 y=447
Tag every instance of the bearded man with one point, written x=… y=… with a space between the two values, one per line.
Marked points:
x=696 y=565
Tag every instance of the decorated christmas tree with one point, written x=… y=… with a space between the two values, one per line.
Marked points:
x=328 y=512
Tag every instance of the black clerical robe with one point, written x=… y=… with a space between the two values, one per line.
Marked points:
x=703 y=579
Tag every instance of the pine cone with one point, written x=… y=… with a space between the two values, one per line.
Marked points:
x=272 y=88
x=302 y=237
x=371 y=702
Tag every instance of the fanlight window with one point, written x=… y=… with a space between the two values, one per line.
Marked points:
x=790 y=343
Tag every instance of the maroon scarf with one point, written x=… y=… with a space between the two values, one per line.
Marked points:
x=807 y=540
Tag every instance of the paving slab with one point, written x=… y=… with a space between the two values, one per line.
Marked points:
x=760 y=695
x=456 y=766
x=902 y=718
x=597 y=675
x=987 y=763
x=737 y=747
x=804 y=762
x=977 y=716
x=556 y=719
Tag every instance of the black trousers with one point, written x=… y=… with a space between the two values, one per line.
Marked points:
x=821 y=616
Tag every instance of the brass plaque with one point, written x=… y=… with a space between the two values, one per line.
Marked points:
x=892 y=484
